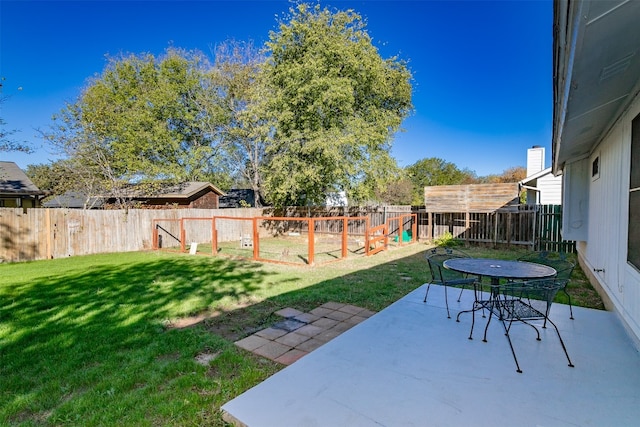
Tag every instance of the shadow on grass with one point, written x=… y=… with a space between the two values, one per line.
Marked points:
x=86 y=341
x=82 y=332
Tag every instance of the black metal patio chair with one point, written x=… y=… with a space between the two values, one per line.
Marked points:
x=560 y=262
x=526 y=302
x=441 y=276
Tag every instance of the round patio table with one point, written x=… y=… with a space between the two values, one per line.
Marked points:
x=497 y=269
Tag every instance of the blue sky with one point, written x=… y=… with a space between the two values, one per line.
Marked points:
x=482 y=69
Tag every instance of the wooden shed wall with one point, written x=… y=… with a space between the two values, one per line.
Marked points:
x=470 y=198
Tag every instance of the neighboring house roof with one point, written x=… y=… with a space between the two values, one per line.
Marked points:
x=595 y=75
x=535 y=176
x=183 y=190
x=73 y=200
x=187 y=190
x=14 y=182
x=235 y=196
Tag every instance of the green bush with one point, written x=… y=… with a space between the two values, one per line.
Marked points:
x=447 y=240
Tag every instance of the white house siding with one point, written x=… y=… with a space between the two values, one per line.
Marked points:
x=608 y=223
x=550 y=189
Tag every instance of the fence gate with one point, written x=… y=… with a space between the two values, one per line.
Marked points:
x=548 y=236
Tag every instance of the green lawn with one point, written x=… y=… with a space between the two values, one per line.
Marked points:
x=93 y=340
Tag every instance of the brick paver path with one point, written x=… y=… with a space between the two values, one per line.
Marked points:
x=300 y=333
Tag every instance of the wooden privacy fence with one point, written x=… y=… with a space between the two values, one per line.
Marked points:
x=33 y=234
x=536 y=226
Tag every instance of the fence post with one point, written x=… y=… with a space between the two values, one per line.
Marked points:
x=345 y=225
x=414 y=228
x=183 y=237
x=256 y=239
x=311 y=226
x=214 y=236
x=467 y=226
x=154 y=234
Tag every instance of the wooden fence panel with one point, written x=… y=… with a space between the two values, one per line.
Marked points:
x=533 y=226
x=33 y=234
x=55 y=233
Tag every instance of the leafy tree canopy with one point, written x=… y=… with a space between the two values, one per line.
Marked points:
x=332 y=104
x=145 y=118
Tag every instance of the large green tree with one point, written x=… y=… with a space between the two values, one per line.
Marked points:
x=331 y=105
x=145 y=119
x=234 y=75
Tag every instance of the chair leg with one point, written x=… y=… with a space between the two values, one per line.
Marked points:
x=562 y=344
x=427 y=293
x=446 y=301
x=513 y=351
x=570 y=308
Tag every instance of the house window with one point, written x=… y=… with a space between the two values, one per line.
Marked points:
x=595 y=168
x=633 y=236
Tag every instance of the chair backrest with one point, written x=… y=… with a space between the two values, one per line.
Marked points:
x=537 y=294
x=438 y=271
x=435 y=253
x=558 y=260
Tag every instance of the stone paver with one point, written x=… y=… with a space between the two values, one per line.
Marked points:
x=321 y=311
x=341 y=327
x=338 y=315
x=300 y=333
x=292 y=339
x=328 y=335
x=271 y=333
x=291 y=356
x=325 y=322
x=355 y=320
x=310 y=330
x=306 y=317
x=310 y=344
x=252 y=342
x=272 y=350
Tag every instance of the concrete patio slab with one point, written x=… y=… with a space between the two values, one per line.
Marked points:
x=411 y=366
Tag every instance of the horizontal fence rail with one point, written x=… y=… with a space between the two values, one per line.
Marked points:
x=33 y=234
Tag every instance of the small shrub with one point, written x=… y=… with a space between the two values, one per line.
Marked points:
x=447 y=240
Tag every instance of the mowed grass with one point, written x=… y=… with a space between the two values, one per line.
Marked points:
x=98 y=340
